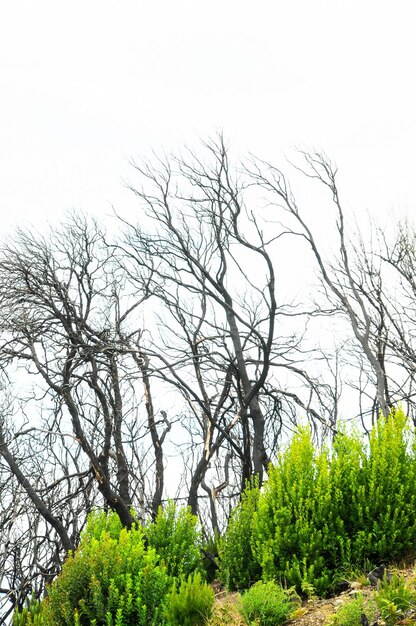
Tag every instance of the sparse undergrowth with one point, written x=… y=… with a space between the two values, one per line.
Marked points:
x=391 y=602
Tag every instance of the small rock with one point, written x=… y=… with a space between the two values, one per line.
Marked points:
x=376 y=575
x=342 y=585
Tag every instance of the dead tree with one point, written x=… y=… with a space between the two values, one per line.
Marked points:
x=398 y=255
x=344 y=281
x=210 y=261
x=69 y=345
x=45 y=497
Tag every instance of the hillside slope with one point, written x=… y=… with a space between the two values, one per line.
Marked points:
x=397 y=597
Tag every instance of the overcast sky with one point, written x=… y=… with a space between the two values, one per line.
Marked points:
x=86 y=85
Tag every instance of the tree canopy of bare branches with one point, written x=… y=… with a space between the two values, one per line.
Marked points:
x=172 y=342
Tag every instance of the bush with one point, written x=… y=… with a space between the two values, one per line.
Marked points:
x=349 y=613
x=238 y=567
x=387 y=511
x=176 y=538
x=30 y=615
x=191 y=604
x=267 y=604
x=109 y=581
x=329 y=509
x=100 y=522
x=394 y=598
x=120 y=577
x=294 y=527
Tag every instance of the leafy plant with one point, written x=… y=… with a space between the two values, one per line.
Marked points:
x=238 y=566
x=267 y=604
x=30 y=615
x=388 y=504
x=113 y=579
x=176 y=538
x=120 y=577
x=191 y=604
x=294 y=529
x=100 y=522
x=322 y=510
x=349 y=613
x=394 y=598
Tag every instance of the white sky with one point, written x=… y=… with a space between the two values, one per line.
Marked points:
x=85 y=85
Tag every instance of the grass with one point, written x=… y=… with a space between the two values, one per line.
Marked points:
x=227 y=611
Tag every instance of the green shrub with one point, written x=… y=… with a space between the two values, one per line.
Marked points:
x=120 y=577
x=267 y=604
x=389 y=501
x=294 y=530
x=100 y=522
x=349 y=613
x=238 y=567
x=394 y=598
x=210 y=559
x=30 y=615
x=109 y=581
x=323 y=510
x=176 y=538
x=191 y=604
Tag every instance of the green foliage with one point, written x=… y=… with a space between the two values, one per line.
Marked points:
x=99 y=522
x=30 y=615
x=120 y=577
x=267 y=604
x=325 y=510
x=294 y=528
x=111 y=580
x=389 y=520
x=177 y=540
x=191 y=604
x=349 y=613
x=238 y=567
x=394 y=598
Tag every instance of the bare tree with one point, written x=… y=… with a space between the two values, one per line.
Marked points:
x=48 y=297
x=397 y=252
x=210 y=261
x=353 y=289
x=69 y=342
x=43 y=505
